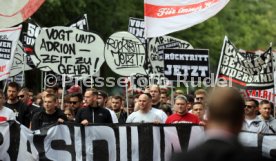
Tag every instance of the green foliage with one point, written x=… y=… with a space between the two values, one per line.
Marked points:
x=249 y=24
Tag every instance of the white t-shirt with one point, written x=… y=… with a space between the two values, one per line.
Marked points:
x=160 y=113
x=139 y=117
x=113 y=115
x=6 y=114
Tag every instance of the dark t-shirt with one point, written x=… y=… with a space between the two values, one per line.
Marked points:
x=21 y=111
x=42 y=119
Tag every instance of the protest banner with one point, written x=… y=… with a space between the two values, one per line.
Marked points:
x=8 y=42
x=155 y=57
x=33 y=30
x=16 y=11
x=19 y=64
x=188 y=64
x=121 y=142
x=163 y=17
x=136 y=26
x=69 y=51
x=245 y=73
x=80 y=23
x=125 y=54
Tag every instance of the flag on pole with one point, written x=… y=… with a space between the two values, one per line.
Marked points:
x=166 y=16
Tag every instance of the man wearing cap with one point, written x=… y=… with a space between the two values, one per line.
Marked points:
x=92 y=113
x=102 y=99
x=74 y=89
x=181 y=114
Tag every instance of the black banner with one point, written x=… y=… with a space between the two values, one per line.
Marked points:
x=246 y=71
x=188 y=64
x=111 y=142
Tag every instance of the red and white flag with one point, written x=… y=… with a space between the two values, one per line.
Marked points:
x=166 y=16
x=13 y=12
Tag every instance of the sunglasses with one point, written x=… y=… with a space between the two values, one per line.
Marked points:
x=248 y=106
x=73 y=102
x=199 y=98
x=20 y=96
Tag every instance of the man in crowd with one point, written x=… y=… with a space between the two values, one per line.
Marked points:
x=144 y=114
x=265 y=109
x=198 y=109
x=225 y=118
x=49 y=115
x=92 y=113
x=24 y=97
x=156 y=104
x=155 y=94
x=181 y=114
x=200 y=95
x=116 y=105
x=164 y=98
x=5 y=113
x=102 y=99
x=251 y=122
x=20 y=110
x=75 y=101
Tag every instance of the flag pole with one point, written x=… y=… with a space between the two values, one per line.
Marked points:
x=23 y=72
x=220 y=59
x=126 y=87
x=63 y=89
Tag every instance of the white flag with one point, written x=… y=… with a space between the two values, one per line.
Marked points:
x=8 y=42
x=166 y=16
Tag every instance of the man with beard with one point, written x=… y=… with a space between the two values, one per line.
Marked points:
x=116 y=105
x=20 y=110
x=92 y=113
x=102 y=99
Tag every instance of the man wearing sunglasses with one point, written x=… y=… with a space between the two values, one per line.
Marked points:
x=251 y=122
x=75 y=101
x=200 y=95
x=24 y=97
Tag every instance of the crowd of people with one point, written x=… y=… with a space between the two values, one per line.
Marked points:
x=223 y=111
x=96 y=106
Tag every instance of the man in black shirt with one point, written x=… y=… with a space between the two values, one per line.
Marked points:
x=49 y=115
x=92 y=113
x=20 y=110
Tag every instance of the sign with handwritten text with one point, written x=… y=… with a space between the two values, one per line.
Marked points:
x=70 y=51
x=125 y=54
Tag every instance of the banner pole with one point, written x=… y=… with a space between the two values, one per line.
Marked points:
x=23 y=72
x=273 y=72
x=63 y=89
x=42 y=80
x=172 y=94
x=5 y=86
x=126 y=87
x=225 y=39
